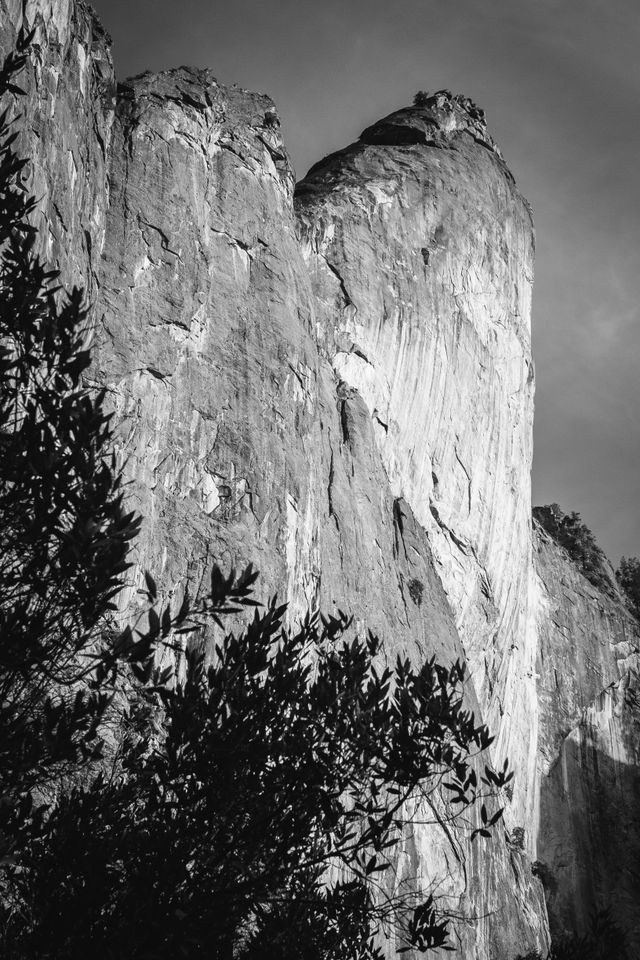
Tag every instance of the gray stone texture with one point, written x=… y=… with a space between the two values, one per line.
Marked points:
x=334 y=382
x=589 y=747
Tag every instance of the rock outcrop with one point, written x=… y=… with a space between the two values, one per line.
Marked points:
x=588 y=845
x=65 y=127
x=247 y=434
x=420 y=249
x=335 y=383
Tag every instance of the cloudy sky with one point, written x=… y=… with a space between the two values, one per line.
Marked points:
x=560 y=83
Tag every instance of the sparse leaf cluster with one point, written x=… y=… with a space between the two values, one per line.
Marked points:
x=464 y=785
x=284 y=762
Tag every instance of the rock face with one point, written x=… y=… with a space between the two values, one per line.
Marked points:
x=589 y=748
x=335 y=383
x=245 y=432
x=65 y=129
x=420 y=249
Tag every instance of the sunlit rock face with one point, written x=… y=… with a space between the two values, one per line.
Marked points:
x=243 y=444
x=65 y=129
x=244 y=440
x=420 y=249
x=589 y=748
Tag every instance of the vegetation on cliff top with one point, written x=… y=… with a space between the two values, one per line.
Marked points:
x=568 y=530
x=65 y=535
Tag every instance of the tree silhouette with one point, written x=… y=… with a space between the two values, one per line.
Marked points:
x=261 y=817
x=64 y=534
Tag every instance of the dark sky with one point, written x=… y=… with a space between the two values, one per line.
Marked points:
x=560 y=83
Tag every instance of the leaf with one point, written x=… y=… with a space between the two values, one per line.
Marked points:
x=152 y=589
x=154 y=622
x=166 y=621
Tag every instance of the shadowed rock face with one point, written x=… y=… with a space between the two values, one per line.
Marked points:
x=590 y=805
x=589 y=747
x=336 y=387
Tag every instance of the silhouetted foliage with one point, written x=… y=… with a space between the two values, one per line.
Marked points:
x=628 y=577
x=571 y=533
x=64 y=534
x=288 y=754
x=249 y=803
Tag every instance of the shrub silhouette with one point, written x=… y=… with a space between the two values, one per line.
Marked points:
x=64 y=534
x=288 y=754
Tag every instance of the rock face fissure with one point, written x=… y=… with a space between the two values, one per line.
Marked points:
x=334 y=382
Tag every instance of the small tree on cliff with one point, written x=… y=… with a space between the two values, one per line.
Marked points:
x=628 y=576
x=64 y=536
x=571 y=533
x=249 y=809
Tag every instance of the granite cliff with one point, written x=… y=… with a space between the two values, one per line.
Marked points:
x=334 y=381
x=588 y=748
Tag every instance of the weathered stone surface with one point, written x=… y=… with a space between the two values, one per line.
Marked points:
x=341 y=393
x=587 y=641
x=65 y=128
x=421 y=254
x=243 y=440
x=589 y=747
x=243 y=443
x=244 y=437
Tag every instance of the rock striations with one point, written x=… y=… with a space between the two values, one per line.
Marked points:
x=334 y=381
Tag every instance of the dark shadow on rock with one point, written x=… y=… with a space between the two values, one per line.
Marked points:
x=589 y=843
